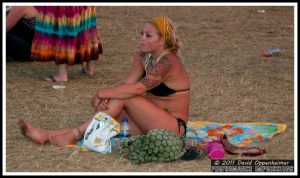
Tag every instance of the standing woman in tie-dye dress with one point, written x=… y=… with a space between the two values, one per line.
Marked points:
x=67 y=35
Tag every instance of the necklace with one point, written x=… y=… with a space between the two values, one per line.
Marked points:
x=149 y=58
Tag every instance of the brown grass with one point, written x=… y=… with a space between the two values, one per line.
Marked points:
x=220 y=47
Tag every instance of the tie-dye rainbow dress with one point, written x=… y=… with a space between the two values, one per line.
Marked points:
x=66 y=35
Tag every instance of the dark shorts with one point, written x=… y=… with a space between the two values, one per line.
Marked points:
x=181 y=122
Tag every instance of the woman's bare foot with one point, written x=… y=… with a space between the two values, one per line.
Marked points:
x=89 y=69
x=67 y=138
x=87 y=72
x=55 y=78
x=37 y=135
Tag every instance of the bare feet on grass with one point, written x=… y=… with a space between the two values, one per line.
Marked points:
x=68 y=138
x=36 y=135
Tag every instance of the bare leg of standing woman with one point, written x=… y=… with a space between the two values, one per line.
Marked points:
x=89 y=69
x=61 y=76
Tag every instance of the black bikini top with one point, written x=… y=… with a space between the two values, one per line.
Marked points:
x=162 y=89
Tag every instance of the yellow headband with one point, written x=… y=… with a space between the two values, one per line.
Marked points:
x=164 y=26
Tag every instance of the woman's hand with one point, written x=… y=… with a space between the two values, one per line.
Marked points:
x=100 y=104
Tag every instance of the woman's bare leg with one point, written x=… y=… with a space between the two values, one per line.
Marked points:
x=144 y=114
x=62 y=74
x=38 y=135
x=90 y=67
x=145 y=118
x=147 y=115
x=71 y=136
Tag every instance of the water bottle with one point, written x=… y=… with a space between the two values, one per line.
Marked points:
x=125 y=130
x=270 y=52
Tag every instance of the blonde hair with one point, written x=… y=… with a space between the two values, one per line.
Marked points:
x=167 y=31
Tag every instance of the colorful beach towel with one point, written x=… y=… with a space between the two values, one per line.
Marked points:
x=238 y=134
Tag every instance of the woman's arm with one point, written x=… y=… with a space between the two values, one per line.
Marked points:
x=122 y=91
x=154 y=77
x=18 y=12
x=126 y=90
x=15 y=14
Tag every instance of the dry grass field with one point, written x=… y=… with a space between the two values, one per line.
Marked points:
x=220 y=48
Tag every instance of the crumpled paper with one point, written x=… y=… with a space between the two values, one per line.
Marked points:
x=98 y=133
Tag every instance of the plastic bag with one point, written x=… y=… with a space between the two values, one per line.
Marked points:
x=98 y=133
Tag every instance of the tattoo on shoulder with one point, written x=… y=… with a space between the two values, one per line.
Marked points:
x=149 y=83
x=163 y=65
x=156 y=74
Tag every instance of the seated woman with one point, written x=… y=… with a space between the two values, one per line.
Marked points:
x=20 y=29
x=154 y=94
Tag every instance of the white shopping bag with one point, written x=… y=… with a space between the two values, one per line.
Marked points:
x=98 y=133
